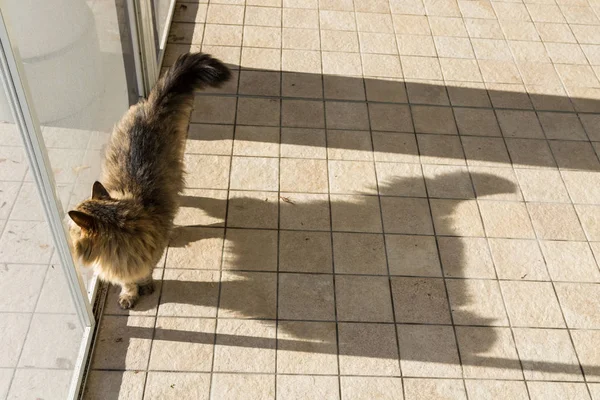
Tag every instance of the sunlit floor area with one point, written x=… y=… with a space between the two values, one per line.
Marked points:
x=390 y=200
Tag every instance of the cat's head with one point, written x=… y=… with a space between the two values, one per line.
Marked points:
x=98 y=224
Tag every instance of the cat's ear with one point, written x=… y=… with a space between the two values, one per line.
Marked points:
x=99 y=192
x=83 y=220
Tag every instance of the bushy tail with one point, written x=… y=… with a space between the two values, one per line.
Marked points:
x=191 y=71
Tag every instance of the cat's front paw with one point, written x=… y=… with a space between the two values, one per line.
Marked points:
x=127 y=301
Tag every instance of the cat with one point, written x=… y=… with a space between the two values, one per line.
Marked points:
x=123 y=229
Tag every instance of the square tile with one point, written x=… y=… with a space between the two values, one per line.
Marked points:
x=420 y=300
x=493 y=183
x=453 y=47
x=262 y=83
x=207 y=172
x=428 y=351
x=250 y=249
x=349 y=145
x=395 y=147
x=195 y=248
x=21 y=285
x=14 y=327
x=356 y=253
x=304 y=211
x=306 y=297
x=307 y=348
x=412 y=45
x=363 y=299
x=363 y=388
x=456 y=217
x=162 y=385
x=530 y=153
x=248 y=295
x=377 y=43
x=263 y=16
x=258 y=111
x=395 y=179
x=438 y=120
x=476 y=122
x=434 y=389
x=570 y=261
x=301 y=39
x=214 y=109
x=465 y=257
x=582 y=186
x=481 y=350
x=532 y=304
x=297 y=387
x=374 y=22
x=225 y=14
x=542 y=185
x=383 y=65
x=587 y=352
x=448 y=181
x=344 y=115
x=300 y=18
x=305 y=61
x=182 y=344
x=557 y=390
x=189 y=293
x=501 y=390
x=485 y=151
x=590 y=123
x=352 y=177
x=343 y=88
x=100 y=384
x=519 y=124
x=506 y=220
x=344 y=64
x=209 y=139
x=222 y=35
x=262 y=36
x=575 y=155
x=303 y=143
x=547 y=354
x=440 y=149
x=254 y=173
x=518 y=259
x=302 y=175
x=562 y=126
x=466 y=94
x=243 y=387
x=33 y=383
x=252 y=210
x=427 y=92
x=406 y=215
x=590 y=219
x=256 y=141
x=236 y=349
x=353 y=213
x=305 y=252
x=368 y=349
x=476 y=302
x=26 y=242
x=390 y=117
x=412 y=255
x=421 y=67
x=580 y=303
x=555 y=221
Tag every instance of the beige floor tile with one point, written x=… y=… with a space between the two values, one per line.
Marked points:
x=349 y=145
x=557 y=390
x=34 y=383
x=488 y=353
x=306 y=297
x=298 y=18
x=245 y=346
x=115 y=384
x=364 y=388
x=430 y=92
x=465 y=257
x=547 y=354
x=485 y=151
x=438 y=120
x=252 y=210
x=352 y=177
x=248 y=295
x=209 y=139
x=385 y=90
x=383 y=65
x=542 y=185
x=431 y=389
x=343 y=88
x=570 y=261
x=202 y=207
x=345 y=115
x=555 y=221
x=223 y=35
x=174 y=385
x=353 y=213
x=582 y=186
x=123 y=343
x=493 y=183
x=519 y=124
x=589 y=216
x=377 y=43
x=500 y=390
x=476 y=302
x=214 y=110
x=258 y=141
x=363 y=298
x=302 y=114
x=448 y=181
x=14 y=327
x=298 y=387
x=390 y=117
x=26 y=242
x=368 y=349
x=296 y=84
x=518 y=259
x=420 y=300
x=250 y=249
x=412 y=255
x=356 y=253
x=428 y=351
x=506 y=220
x=307 y=348
x=413 y=45
x=476 y=122
x=395 y=147
x=260 y=83
x=190 y=13
x=225 y=14
x=344 y=64
x=302 y=175
x=189 y=293
x=303 y=143
x=456 y=217
x=305 y=252
x=575 y=155
x=243 y=387
x=195 y=248
x=532 y=304
x=395 y=179
x=530 y=153
x=21 y=286
x=406 y=215
x=182 y=344
x=261 y=36
x=207 y=172
x=301 y=39
x=587 y=351
x=304 y=211
x=258 y=111
x=439 y=149
x=580 y=303
x=421 y=67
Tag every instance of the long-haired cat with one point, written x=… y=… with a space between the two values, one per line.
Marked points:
x=123 y=229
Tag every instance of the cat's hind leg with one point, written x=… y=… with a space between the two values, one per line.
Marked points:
x=146 y=286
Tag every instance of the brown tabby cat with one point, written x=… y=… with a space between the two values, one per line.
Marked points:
x=123 y=229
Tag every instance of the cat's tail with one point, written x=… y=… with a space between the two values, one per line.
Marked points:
x=174 y=92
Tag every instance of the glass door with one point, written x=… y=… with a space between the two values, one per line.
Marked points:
x=68 y=72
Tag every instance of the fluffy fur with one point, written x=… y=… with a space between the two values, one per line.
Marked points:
x=123 y=229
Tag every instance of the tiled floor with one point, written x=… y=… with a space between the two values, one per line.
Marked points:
x=392 y=199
